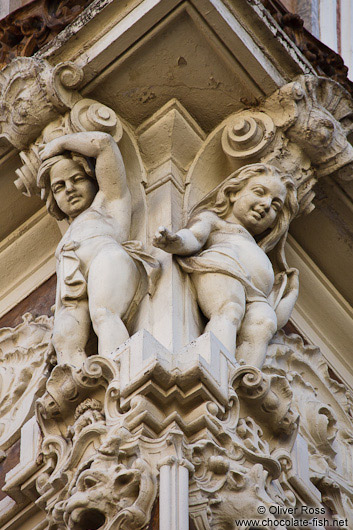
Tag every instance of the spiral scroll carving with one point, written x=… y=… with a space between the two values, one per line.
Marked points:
x=89 y=115
x=247 y=134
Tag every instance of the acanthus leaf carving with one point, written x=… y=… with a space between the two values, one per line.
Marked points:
x=324 y=406
x=225 y=452
x=270 y=398
x=233 y=490
x=22 y=372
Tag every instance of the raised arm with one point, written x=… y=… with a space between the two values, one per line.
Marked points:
x=187 y=241
x=110 y=169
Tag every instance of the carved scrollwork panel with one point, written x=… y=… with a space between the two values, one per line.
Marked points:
x=22 y=373
x=324 y=406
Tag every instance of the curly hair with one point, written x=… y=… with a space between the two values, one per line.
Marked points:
x=235 y=183
x=43 y=180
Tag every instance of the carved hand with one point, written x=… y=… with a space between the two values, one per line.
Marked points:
x=166 y=240
x=50 y=149
x=293 y=281
x=290 y=295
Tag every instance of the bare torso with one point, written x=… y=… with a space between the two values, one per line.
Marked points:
x=93 y=229
x=235 y=242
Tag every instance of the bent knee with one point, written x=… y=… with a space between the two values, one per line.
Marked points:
x=264 y=325
x=233 y=312
x=101 y=315
x=64 y=340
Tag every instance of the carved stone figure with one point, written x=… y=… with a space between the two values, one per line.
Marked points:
x=245 y=297
x=101 y=277
x=160 y=417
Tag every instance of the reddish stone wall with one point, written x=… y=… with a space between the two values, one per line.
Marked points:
x=11 y=460
x=38 y=303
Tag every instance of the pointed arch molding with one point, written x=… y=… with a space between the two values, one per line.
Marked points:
x=171 y=412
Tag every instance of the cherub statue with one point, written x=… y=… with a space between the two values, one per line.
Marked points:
x=224 y=247
x=101 y=275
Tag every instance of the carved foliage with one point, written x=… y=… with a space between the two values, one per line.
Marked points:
x=269 y=397
x=91 y=472
x=27 y=29
x=102 y=452
x=22 y=372
x=234 y=490
x=325 y=409
x=113 y=489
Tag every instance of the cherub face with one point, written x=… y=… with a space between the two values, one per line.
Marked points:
x=72 y=189
x=257 y=204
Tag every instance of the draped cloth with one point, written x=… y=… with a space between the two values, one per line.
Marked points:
x=73 y=284
x=222 y=258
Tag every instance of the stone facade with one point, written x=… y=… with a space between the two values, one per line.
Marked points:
x=164 y=382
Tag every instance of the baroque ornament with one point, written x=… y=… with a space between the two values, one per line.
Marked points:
x=22 y=373
x=217 y=426
x=236 y=286
x=34 y=25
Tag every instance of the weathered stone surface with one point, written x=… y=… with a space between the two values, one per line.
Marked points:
x=215 y=424
x=30 y=27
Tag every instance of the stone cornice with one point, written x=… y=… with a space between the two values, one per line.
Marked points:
x=324 y=60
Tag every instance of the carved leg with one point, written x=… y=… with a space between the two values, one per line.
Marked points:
x=222 y=300
x=258 y=327
x=112 y=283
x=71 y=332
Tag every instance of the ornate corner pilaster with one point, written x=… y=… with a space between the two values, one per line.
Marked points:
x=117 y=432
x=170 y=412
